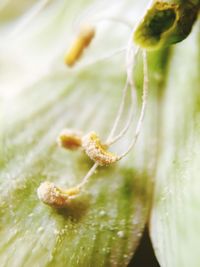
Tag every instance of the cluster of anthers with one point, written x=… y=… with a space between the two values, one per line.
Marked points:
x=91 y=143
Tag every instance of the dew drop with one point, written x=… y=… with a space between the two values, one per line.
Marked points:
x=120 y=234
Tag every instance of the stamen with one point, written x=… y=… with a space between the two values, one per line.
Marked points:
x=91 y=143
x=87 y=176
x=70 y=139
x=84 y=38
x=143 y=109
x=78 y=46
x=130 y=60
x=98 y=143
x=54 y=196
x=97 y=151
x=127 y=126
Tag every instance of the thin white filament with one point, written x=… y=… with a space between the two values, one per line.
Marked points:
x=115 y=19
x=143 y=109
x=128 y=124
x=103 y=58
x=130 y=61
x=119 y=113
x=88 y=175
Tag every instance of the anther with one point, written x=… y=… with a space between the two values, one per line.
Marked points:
x=70 y=139
x=97 y=151
x=84 y=38
x=54 y=196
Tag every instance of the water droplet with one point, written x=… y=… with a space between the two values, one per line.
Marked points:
x=102 y=213
x=120 y=234
x=40 y=229
x=56 y=232
x=135 y=221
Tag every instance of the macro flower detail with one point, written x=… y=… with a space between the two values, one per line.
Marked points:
x=82 y=41
x=97 y=151
x=166 y=23
x=91 y=143
x=158 y=22
x=54 y=196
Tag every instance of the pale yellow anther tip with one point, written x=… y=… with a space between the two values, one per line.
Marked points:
x=96 y=151
x=82 y=40
x=70 y=139
x=87 y=32
x=54 y=196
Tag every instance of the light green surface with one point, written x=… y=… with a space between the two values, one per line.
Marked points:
x=175 y=219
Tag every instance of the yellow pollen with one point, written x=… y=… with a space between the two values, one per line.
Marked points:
x=97 y=151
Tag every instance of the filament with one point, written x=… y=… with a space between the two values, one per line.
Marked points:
x=143 y=109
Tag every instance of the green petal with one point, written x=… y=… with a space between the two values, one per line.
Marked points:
x=175 y=217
